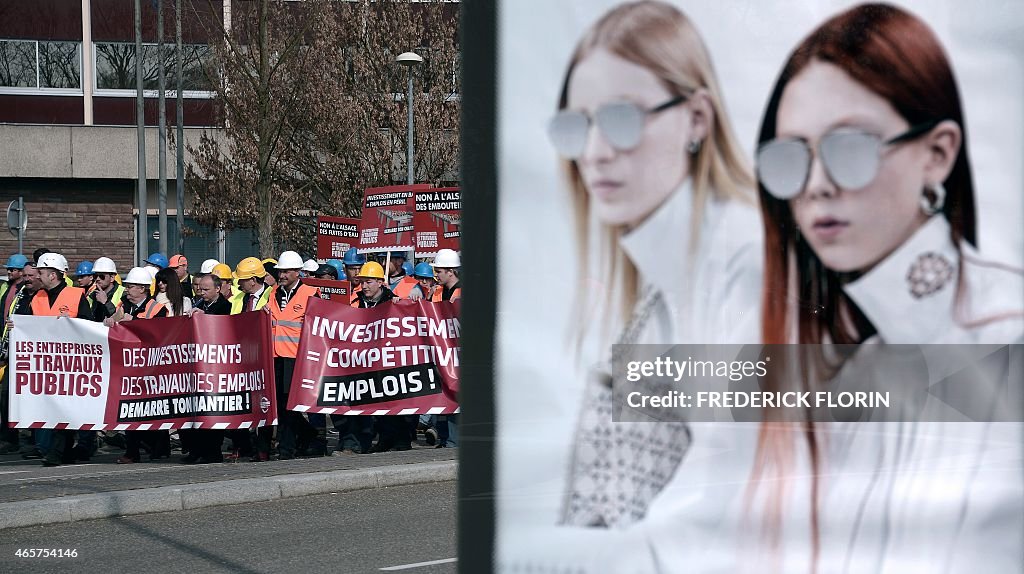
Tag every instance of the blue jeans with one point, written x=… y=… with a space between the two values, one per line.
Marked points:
x=453 y=431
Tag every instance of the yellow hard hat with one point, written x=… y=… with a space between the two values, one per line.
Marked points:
x=371 y=270
x=222 y=270
x=269 y=260
x=249 y=268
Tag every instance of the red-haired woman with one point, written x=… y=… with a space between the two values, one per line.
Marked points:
x=869 y=214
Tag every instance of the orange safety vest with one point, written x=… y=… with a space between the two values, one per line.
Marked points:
x=439 y=292
x=66 y=303
x=287 y=322
x=152 y=308
x=405 y=287
x=354 y=298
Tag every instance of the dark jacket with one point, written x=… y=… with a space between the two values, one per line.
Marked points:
x=219 y=307
x=386 y=297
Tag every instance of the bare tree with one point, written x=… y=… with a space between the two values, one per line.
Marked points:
x=313 y=111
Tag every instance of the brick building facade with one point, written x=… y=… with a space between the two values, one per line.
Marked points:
x=82 y=224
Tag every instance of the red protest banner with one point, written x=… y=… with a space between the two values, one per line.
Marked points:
x=201 y=372
x=438 y=220
x=387 y=218
x=395 y=358
x=335 y=236
x=330 y=289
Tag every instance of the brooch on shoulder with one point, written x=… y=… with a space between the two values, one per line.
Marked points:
x=929 y=274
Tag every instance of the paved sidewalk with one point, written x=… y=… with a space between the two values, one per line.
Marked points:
x=31 y=494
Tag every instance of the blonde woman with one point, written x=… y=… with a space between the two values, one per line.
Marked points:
x=664 y=210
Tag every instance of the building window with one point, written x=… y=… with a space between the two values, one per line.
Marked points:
x=115 y=68
x=40 y=65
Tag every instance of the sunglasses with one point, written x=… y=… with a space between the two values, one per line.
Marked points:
x=621 y=124
x=851 y=158
x=102 y=275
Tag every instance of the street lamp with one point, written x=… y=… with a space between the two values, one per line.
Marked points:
x=409 y=60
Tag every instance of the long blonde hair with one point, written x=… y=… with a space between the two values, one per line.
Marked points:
x=660 y=38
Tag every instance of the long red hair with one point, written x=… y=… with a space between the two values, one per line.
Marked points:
x=896 y=55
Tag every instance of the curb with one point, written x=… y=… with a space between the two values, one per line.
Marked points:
x=221 y=493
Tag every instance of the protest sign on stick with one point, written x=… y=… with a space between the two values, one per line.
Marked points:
x=387 y=218
x=438 y=220
x=335 y=236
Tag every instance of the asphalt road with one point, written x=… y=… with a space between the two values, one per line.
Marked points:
x=357 y=532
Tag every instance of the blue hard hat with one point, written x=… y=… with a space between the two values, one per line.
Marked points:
x=16 y=261
x=158 y=259
x=423 y=270
x=407 y=268
x=353 y=257
x=338 y=266
x=84 y=268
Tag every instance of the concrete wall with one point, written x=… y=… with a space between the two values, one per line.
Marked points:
x=81 y=152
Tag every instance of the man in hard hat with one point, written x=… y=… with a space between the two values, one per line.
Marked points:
x=250 y=274
x=309 y=267
x=374 y=286
x=353 y=262
x=107 y=293
x=339 y=268
x=398 y=282
x=180 y=265
x=327 y=272
x=138 y=304
x=211 y=299
x=446 y=266
x=9 y=289
x=254 y=297
x=424 y=275
x=84 y=276
x=157 y=261
x=43 y=251
x=271 y=277
x=207 y=267
x=222 y=271
x=20 y=305
x=154 y=263
x=203 y=445
x=287 y=307
x=395 y=431
x=56 y=299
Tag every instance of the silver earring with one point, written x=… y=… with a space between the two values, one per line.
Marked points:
x=932 y=206
x=693 y=147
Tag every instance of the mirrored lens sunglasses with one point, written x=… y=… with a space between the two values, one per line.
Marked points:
x=621 y=124
x=851 y=158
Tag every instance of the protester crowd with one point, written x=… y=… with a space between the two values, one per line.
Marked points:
x=95 y=291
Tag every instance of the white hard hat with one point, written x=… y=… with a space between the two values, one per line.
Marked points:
x=53 y=261
x=447 y=258
x=310 y=266
x=152 y=272
x=138 y=276
x=104 y=265
x=207 y=266
x=289 y=260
